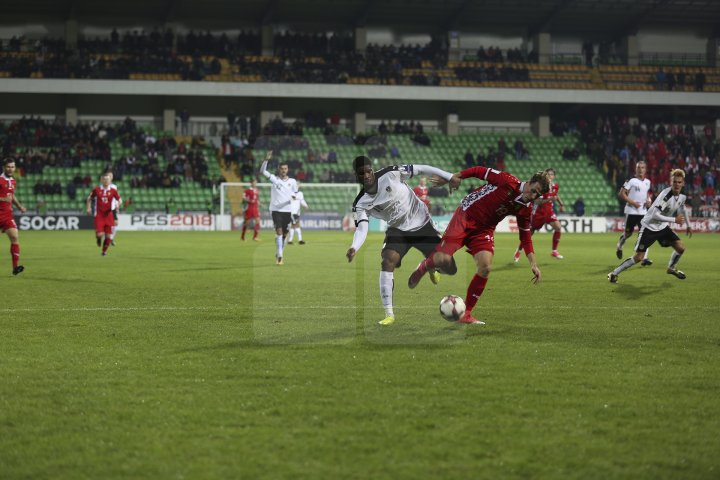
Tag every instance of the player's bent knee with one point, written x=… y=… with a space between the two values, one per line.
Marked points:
x=484 y=270
x=443 y=261
x=451 y=268
x=388 y=265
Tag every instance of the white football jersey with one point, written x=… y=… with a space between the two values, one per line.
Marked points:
x=664 y=210
x=394 y=202
x=297 y=203
x=281 y=193
x=637 y=192
x=115 y=203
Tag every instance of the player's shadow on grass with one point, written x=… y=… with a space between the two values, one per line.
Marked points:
x=322 y=339
x=332 y=338
x=500 y=267
x=633 y=291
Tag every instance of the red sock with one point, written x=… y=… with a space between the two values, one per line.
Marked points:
x=106 y=243
x=556 y=240
x=15 y=254
x=256 y=230
x=243 y=232
x=475 y=289
x=427 y=264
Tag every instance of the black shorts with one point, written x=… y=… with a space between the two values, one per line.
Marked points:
x=295 y=218
x=425 y=240
x=665 y=237
x=632 y=221
x=281 y=220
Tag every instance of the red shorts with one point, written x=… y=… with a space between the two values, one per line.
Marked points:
x=104 y=223
x=251 y=215
x=6 y=223
x=539 y=220
x=463 y=231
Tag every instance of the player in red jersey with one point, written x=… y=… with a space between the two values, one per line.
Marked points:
x=423 y=192
x=544 y=214
x=7 y=221
x=251 y=199
x=473 y=226
x=103 y=197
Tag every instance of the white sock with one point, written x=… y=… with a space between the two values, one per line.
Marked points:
x=625 y=265
x=674 y=259
x=299 y=233
x=112 y=233
x=621 y=242
x=279 y=245
x=646 y=254
x=387 y=283
x=291 y=235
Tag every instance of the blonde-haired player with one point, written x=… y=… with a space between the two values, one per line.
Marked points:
x=669 y=207
x=636 y=194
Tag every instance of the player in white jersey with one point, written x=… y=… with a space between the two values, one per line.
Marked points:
x=386 y=196
x=282 y=194
x=636 y=193
x=668 y=207
x=297 y=204
x=116 y=204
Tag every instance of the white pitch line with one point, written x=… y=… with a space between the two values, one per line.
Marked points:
x=336 y=307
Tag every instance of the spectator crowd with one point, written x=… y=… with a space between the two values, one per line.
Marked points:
x=615 y=145
x=37 y=144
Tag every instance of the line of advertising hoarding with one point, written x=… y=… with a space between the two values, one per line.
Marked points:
x=313 y=221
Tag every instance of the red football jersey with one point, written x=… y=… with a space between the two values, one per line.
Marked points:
x=103 y=198
x=500 y=197
x=422 y=194
x=7 y=189
x=251 y=196
x=546 y=209
x=252 y=199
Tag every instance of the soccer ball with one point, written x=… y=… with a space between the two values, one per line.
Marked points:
x=452 y=308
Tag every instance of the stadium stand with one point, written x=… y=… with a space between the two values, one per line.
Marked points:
x=577 y=176
x=48 y=153
x=153 y=167
x=312 y=58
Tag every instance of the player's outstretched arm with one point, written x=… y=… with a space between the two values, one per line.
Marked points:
x=438 y=176
x=537 y=276
x=454 y=181
x=263 y=167
x=358 y=239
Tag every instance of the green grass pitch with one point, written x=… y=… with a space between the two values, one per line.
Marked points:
x=191 y=355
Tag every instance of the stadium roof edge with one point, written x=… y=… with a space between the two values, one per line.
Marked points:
x=360 y=92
